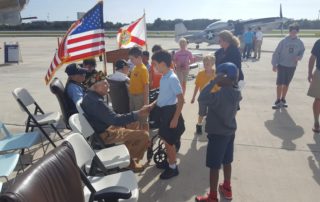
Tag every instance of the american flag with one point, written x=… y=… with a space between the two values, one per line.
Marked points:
x=84 y=39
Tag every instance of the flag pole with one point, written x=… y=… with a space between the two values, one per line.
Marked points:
x=104 y=53
x=145 y=27
x=105 y=63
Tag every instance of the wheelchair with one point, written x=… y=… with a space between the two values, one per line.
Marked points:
x=156 y=149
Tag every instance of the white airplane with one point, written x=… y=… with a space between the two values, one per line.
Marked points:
x=10 y=11
x=209 y=34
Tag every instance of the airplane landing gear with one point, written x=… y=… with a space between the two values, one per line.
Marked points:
x=197 y=46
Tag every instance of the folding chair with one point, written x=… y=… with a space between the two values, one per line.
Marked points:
x=56 y=177
x=57 y=88
x=85 y=154
x=8 y=163
x=115 y=157
x=20 y=141
x=96 y=142
x=38 y=118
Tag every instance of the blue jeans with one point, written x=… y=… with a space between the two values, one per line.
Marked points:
x=247 y=50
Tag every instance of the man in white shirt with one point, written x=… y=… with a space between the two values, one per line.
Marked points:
x=258 y=43
x=122 y=70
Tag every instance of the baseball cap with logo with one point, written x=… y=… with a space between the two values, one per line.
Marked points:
x=230 y=70
x=95 y=78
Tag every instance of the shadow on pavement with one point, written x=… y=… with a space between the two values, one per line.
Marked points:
x=284 y=127
x=187 y=185
x=314 y=161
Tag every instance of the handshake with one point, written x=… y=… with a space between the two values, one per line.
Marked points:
x=145 y=110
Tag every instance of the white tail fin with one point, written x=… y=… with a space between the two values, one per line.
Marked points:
x=179 y=30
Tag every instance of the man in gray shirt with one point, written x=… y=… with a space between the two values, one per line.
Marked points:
x=284 y=61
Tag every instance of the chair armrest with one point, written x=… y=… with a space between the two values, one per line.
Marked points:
x=113 y=193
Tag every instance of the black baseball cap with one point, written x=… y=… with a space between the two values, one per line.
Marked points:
x=74 y=69
x=120 y=64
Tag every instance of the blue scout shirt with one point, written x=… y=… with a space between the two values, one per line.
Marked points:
x=169 y=89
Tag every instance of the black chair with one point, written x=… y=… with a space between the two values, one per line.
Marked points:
x=57 y=88
x=56 y=177
x=119 y=96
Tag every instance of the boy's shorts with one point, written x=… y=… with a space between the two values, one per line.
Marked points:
x=219 y=150
x=136 y=102
x=170 y=135
x=285 y=75
x=203 y=109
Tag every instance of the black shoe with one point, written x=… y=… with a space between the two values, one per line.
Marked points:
x=199 y=129
x=169 y=173
x=163 y=165
x=277 y=104
x=284 y=102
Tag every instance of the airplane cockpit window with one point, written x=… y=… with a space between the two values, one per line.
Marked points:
x=217 y=25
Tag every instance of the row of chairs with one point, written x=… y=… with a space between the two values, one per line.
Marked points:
x=108 y=159
x=58 y=177
x=12 y=146
x=110 y=187
x=112 y=158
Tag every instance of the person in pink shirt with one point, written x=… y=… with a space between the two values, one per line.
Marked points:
x=182 y=59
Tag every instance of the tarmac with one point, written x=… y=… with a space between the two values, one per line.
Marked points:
x=276 y=157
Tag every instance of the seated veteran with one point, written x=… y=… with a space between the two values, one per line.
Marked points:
x=111 y=126
x=90 y=65
x=122 y=71
x=74 y=89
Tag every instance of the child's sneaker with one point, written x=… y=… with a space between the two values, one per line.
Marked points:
x=163 y=165
x=199 y=129
x=277 y=104
x=225 y=192
x=207 y=198
x=284 y=102
x=169 y=173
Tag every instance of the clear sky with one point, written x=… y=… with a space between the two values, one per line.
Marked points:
x=126 y=11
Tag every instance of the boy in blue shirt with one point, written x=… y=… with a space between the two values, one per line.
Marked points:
x=170 y=102
x=248 y=40
x=221 y=127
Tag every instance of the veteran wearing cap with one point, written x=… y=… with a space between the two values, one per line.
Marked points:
x=122 y=71
x=74 y=89
x=110 y=126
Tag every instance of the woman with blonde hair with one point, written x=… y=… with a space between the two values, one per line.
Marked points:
x=229 y=51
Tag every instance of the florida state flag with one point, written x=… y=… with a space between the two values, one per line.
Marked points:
x=133 y=34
